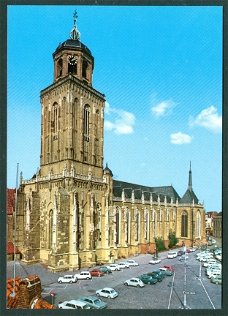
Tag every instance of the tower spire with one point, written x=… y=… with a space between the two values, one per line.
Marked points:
x=75 y=34
x=190 y=178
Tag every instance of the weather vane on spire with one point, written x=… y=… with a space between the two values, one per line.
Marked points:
x=75 y=16
x=75 y=34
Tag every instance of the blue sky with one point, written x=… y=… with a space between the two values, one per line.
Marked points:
x=160 y=69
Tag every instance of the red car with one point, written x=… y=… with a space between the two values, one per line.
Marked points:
x=96 y=273
x=170 y=268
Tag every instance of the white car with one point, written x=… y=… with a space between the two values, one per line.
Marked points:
x=123 y=265
x=219 y=257
x=134 y=282
x=172 y=254
x=114 y=267
x=107 y=292
x=214 y=273
x=209 y=262
x=132 y=263
x=67 y=279
x=193 y=249
x=73 y=304
x=154 y=261
x=83 y=275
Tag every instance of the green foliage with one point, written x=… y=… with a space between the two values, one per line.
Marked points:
x=172 y=239
x=159 y=243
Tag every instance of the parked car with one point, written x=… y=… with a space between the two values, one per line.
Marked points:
x=159 y=272
x=193 y=249
x=107 y=292
x=167 y=272
x=134 y=282
x=219 y=257
x=105 y=269
x=114 y=267
x=132 y=262
x=172 y=254
x=123 y=265
x=93 y=302
x=214 y=272
x=206 y=264
x=96 y=273
x=67 y=279
x=147 y=279
x=180 y=252
x=210 y=269
x=155 y=261
x=83 y=275
x=155 y=275
x=169 y=267
x=73 y=304
x=216 y=279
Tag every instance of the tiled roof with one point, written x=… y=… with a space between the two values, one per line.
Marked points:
x=73 y=44
x=10 y=201
x=188 y=197
x=163 y=191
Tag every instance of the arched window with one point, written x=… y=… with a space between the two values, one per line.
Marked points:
x=127 y=226
x=86 y=118
x=74 y=113
x=84 y=68
x=96 y=136
x=198 y=225
x=59 y=67
x=55 y=118
x=117 y=226
x=154 y=219
x=184 y=224
x=50 y=229
x=137 y=227
x=147 y=226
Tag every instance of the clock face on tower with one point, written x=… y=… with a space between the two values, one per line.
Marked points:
x=72 y=60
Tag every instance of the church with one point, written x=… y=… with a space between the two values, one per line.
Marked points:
x=72 y=213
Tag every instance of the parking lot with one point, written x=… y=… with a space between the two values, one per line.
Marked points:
x=174 y=292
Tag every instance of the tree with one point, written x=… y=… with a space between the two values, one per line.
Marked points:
x=172 y=239
x=159 y=244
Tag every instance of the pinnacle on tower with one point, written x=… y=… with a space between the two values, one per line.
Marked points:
x=190 y=178
x=75 y=34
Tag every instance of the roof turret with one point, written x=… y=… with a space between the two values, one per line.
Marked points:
x=107 y=170
x=189 y=197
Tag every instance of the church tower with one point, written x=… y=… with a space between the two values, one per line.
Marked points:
x=72 y=113
x=68 y=199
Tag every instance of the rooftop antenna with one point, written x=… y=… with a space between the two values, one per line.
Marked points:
x=14 y=237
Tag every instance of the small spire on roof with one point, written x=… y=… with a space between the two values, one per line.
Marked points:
x=190 y=178
x=75 y=34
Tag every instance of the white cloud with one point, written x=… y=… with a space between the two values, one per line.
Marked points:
x=180 y=138
x=208 y=118
x=163 y=108
x=121 y=122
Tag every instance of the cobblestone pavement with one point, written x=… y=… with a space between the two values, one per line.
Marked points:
x=171 y=293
